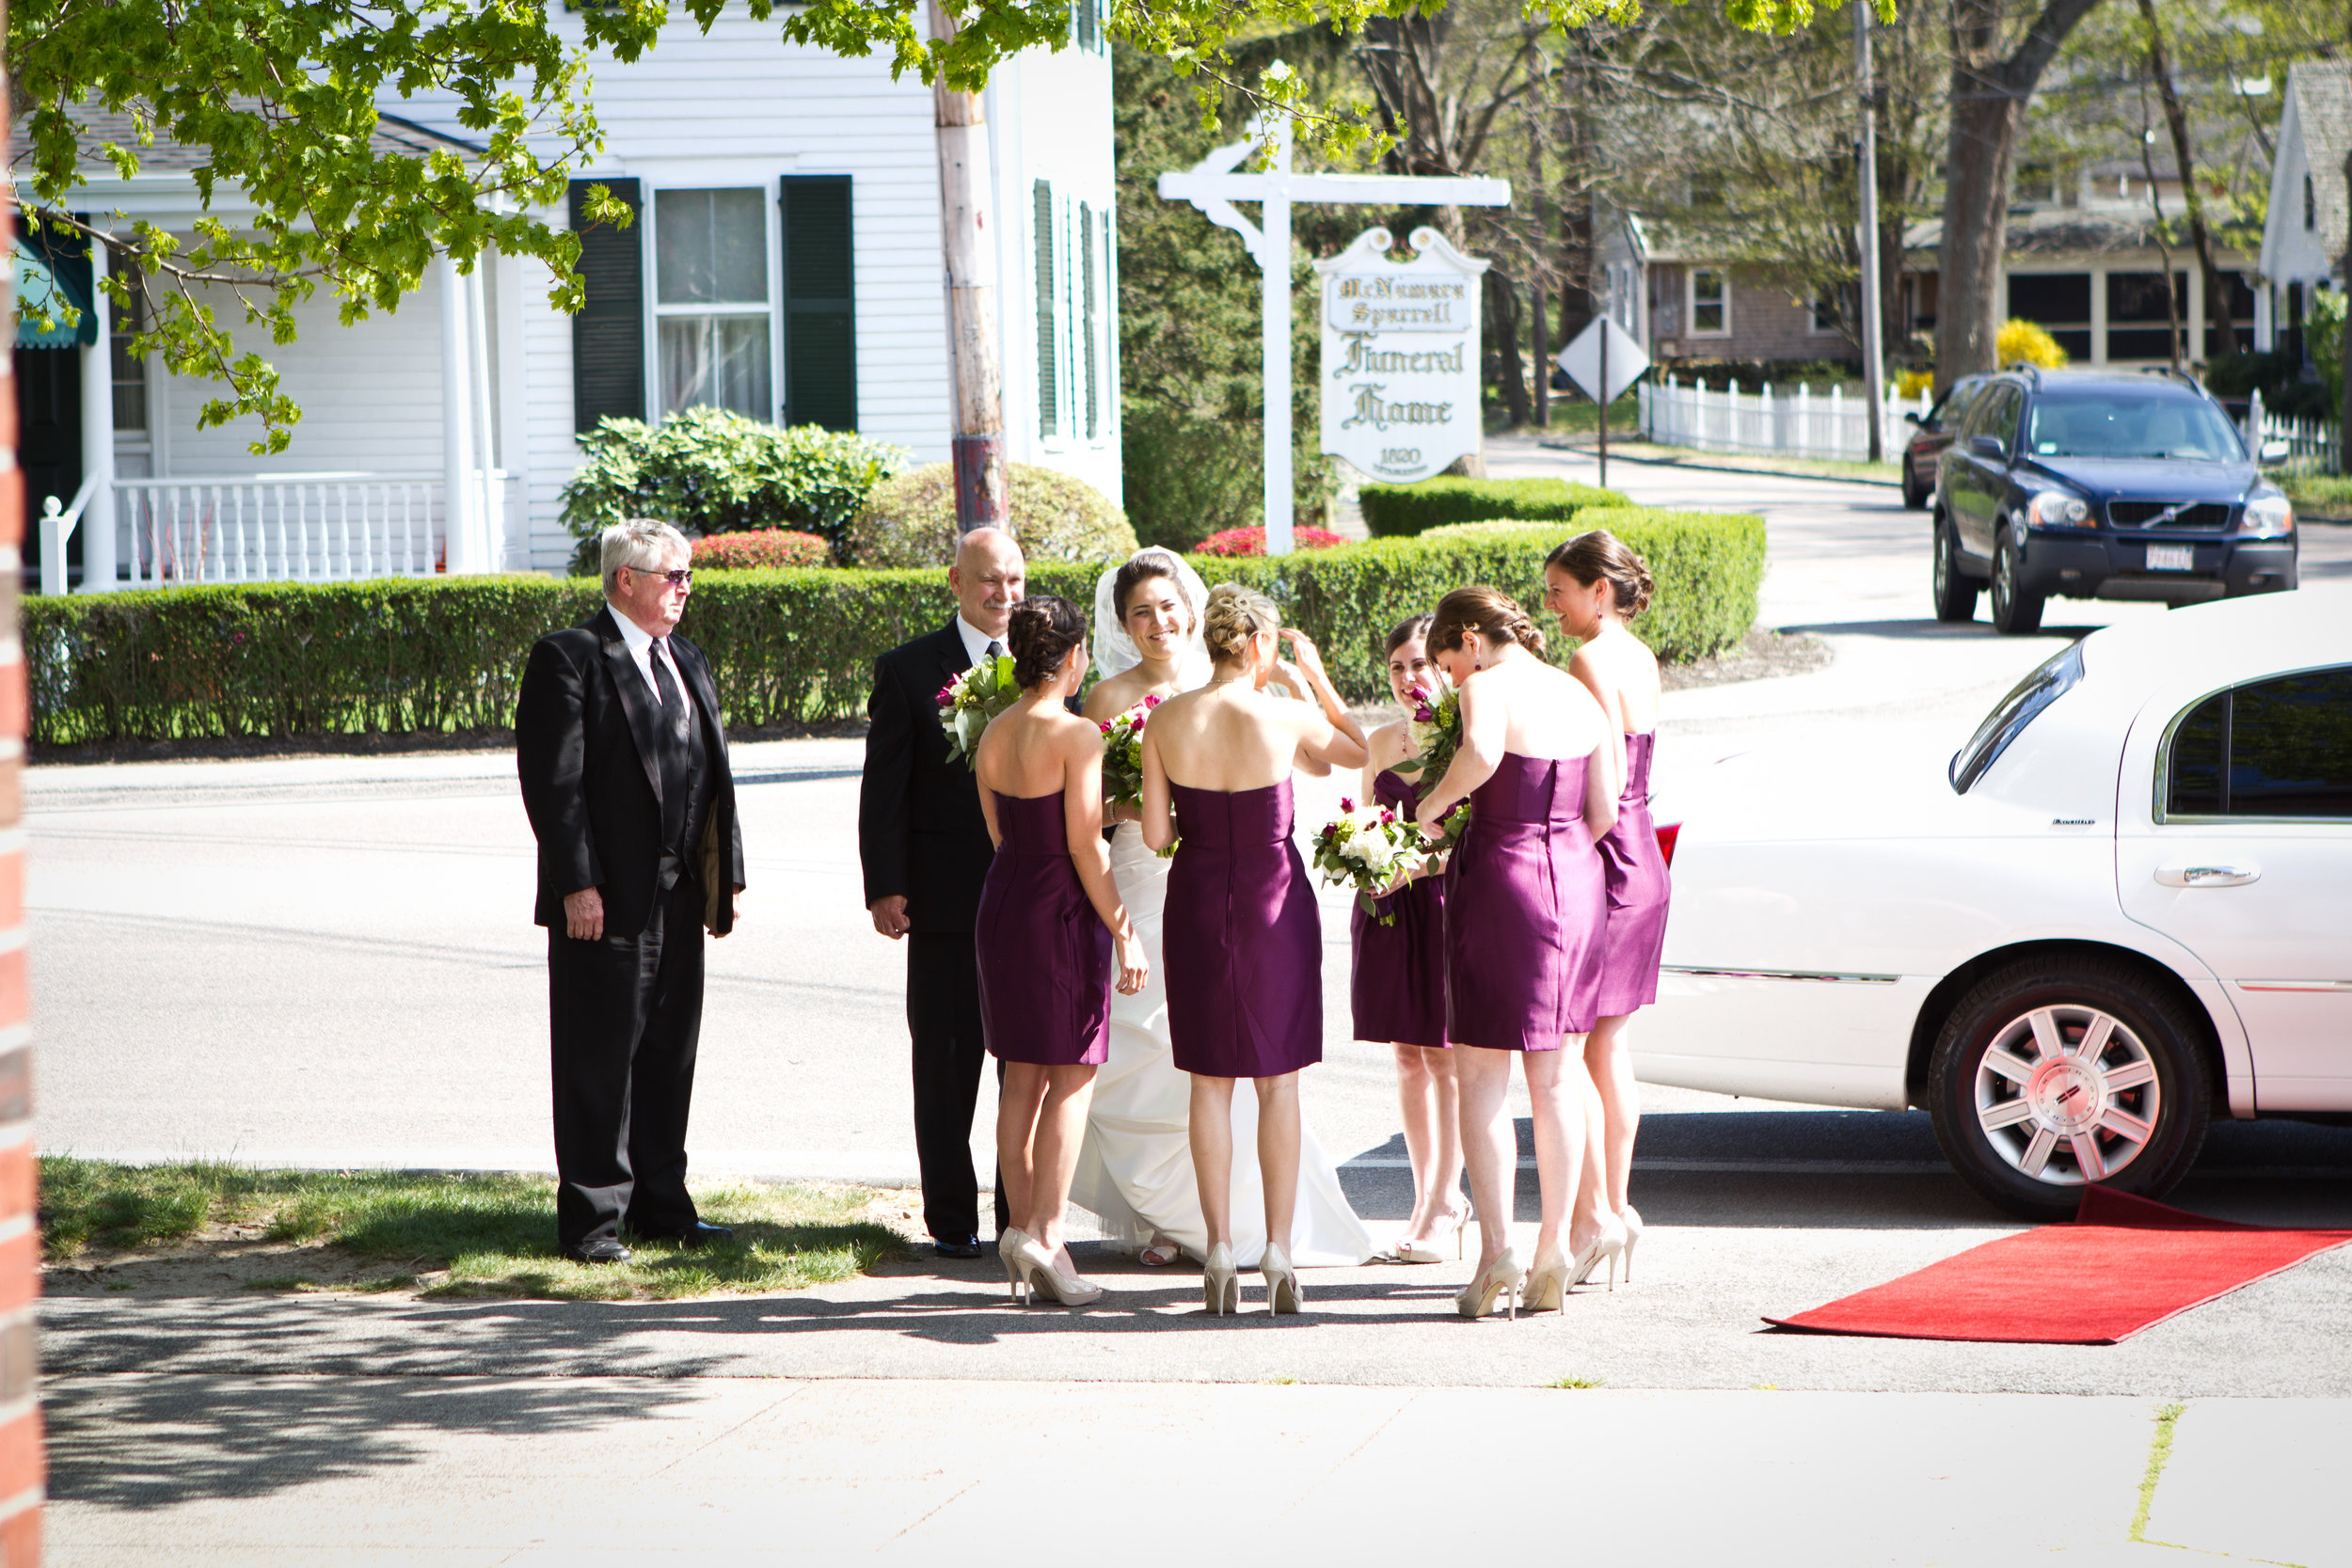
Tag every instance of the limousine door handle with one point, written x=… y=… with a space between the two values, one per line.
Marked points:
x=2208 y=876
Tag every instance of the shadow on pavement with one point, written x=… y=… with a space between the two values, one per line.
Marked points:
x=1928 y=630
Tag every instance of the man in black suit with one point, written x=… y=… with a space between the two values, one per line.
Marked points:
x=623 y=754
x=926 y=851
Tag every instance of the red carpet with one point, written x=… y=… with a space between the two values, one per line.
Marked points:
x=2123 y=1264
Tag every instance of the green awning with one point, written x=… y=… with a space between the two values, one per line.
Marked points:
x=47 y=295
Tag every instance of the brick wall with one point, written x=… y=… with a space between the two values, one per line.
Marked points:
x=21 y=1468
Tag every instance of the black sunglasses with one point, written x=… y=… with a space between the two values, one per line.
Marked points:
x=682 y=577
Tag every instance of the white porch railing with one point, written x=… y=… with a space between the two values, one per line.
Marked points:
x=306 y=528
x=1792 y=424
x=2313 y=446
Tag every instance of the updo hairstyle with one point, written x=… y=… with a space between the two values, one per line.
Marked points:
x=1407 y=629
x=1589 y=557
x=1142 y=567
x=1235 y=615
x=1488 y=611
x=1043 y=630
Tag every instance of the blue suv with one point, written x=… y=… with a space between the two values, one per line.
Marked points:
x=2101 y=484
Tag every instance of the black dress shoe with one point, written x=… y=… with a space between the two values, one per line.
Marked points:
x=604 y=1249
x=969 y=1248
x=700 y=1234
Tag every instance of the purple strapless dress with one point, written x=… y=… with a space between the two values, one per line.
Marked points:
x=1045 y=955
x=1524 y=914
x=1635 y=936
x=1242 y=940
x=1396 y=988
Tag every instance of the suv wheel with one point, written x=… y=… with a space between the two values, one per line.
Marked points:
x=2045 y=1080
x=1955 y=590
x=2015 y=611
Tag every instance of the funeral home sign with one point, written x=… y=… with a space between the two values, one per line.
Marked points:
x=1400 y=355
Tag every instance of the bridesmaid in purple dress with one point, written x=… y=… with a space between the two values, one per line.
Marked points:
x=1242 y=940
x=1396 y=988
x=1048 y=918
x=1594 y=584
x=1523 y=924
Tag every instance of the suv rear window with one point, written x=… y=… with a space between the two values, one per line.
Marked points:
x=2010 y=717
x=2087 y=423
x=2275 y=748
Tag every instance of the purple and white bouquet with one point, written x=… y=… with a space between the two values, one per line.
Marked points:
x=969 y=702
x=1371 y=849
x=1436 y=731
x=1123 y=755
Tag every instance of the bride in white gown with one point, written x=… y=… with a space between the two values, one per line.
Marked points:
x=1135 y=1169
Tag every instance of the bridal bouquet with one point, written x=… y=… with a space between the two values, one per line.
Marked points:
x=1369 y=848
x=971 y=699
x=1123 y=755
x=1436 y=731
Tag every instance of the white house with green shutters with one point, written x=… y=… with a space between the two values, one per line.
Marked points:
x=785 y=262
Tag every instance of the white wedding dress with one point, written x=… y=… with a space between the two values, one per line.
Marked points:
x=1135 y=1168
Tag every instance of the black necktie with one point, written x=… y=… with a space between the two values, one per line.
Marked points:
x=674 y=718
x=676 y=763
x=995 y=649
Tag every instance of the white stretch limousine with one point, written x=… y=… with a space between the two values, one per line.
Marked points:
x=2125 y=907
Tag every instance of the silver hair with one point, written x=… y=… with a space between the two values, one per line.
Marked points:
x=638 y=543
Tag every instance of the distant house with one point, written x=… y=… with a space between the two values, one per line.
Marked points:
x=785 y=263
x=2304 y=231
x=1681 y=300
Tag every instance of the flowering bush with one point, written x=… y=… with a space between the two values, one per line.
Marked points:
x=1252 y=541
x=1123 y=755
x=772 y=546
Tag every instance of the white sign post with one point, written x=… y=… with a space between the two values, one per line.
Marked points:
x=1213 y=187
x=1400 y=355
x=1603 y=361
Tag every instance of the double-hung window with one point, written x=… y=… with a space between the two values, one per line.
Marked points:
x=712 y=310
x=1711 y=303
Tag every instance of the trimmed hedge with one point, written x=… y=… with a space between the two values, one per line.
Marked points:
x=1397 y=511
x=786 y=647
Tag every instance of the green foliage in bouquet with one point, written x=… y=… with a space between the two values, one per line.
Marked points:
x=712 y=471
x=972 y=701
x=1399 y=511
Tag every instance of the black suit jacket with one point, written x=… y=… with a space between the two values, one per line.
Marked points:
x=591 y=785
x=919 y=828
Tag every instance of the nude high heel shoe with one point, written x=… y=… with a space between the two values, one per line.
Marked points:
x=1609 y=1243
x=1503 y=1275
x=1038 y=1270
x=1282 y=1295
x=1546 y=1289
x=1008 y=1247
x=1220 y=1291
x=1631 y=1219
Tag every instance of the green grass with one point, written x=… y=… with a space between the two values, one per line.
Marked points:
x=1574 y=414
x=2159 y=1449
x=2321 y=495
x=1576 y=1383
x=494 y=1235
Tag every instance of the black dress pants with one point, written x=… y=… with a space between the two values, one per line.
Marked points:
x=943 y=1016
x=624 y=1015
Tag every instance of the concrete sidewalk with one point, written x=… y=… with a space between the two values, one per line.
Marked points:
x=165 y=1470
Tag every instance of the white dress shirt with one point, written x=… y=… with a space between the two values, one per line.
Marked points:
x=640 y=643
x=976 y=642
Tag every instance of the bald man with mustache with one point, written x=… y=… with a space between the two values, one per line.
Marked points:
x=925 y=850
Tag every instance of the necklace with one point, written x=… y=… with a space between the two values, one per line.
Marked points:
x=1227 y=681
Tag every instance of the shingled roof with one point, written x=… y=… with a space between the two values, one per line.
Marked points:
x=99 y=127
x=2322 y=90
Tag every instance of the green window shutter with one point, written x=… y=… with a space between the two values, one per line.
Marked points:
x=1086 y=240
x=819 y=302
x=608 y=333
x=1048 y=323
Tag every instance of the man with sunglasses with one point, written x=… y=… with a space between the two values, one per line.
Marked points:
x=624 y=762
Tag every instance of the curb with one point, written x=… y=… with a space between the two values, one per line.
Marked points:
x=1722 y=468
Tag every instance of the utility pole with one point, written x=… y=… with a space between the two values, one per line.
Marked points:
x=970 y=251
x=1867 y=166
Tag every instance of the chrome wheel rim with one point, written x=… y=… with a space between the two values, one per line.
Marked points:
x=2004 y=576
x=1943 y=561
x=2067 y=1095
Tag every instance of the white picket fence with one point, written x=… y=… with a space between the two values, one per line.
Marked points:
x=1802 y=423
x=2313 y=446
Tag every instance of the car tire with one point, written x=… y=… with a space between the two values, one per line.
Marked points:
x=2015 y=613
x=1954 y=590
x=2141 y=1101
x=1914 y=493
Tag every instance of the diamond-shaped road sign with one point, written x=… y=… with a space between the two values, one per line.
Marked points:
x=1581 y=359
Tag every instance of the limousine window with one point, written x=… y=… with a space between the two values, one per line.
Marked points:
x=2055 y=676
x=2275 y=748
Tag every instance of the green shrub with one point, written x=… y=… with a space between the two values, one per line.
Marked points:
x=1392 y=511
x=711 y=471
x=786 y=647
x=911 y=520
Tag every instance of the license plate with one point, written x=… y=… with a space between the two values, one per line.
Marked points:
x=2171 y=558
